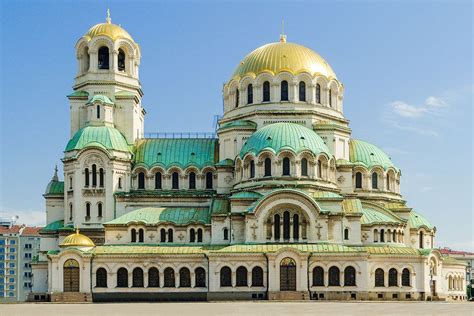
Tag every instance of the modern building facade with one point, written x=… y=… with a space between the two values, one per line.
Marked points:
x=282 y=204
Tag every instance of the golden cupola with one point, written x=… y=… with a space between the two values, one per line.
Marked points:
x=112 y=31
x=77 y=240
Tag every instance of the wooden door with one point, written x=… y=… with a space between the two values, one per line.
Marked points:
x=71 y=276
x=287 y=275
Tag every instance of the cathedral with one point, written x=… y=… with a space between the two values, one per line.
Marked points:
x=281 y=203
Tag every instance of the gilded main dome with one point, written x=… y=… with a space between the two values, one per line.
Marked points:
x=113 y=31
x=283 y=56
x=77 y=240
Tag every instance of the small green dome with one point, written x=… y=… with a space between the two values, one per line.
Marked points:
x=368 y=155
x=105 y=137
x=280 y=136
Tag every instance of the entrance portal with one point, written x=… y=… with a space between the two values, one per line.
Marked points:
x=288 y=275
x=71 y=276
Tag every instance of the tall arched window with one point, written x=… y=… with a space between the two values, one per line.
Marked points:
x=98 y=111
x=375 y=180
x=330 y=97
x=158 y=181
x=209 y=181
x=257 y=276
x=226 y=233
x=241 y=275
x=320 y=169
x=121 y=60
x=200 y=277
x=346 y=234
x=388 y=182
x=296 y=227
x=349 y=276
x=88 y=210
x=268 y=167
x=141 y=234
x=302 y=91
x=103 y=58
x=286 y=225
x=86 y=177
x=175 y=181
x=379 y=277
x=249 y=94
x=184 y=277
x=284 y=91
x=99 y=209
x=406 y=277
x=276 y=227
x=169 y=278
x=266 y=92
x=394 y=236
x=358 y=180
x=192 y=235
x=199 y=235
x=170 y=235
x=162 y=235
x=141 y=181
x=101 y=278
x=382 y=235
x=94 y=175
x=392 y=277
x=334 y=276
x=226 y=276
x=70 y=211
x=286 y=166
x=318 y=276
x=137 y=277
x=153 y=277
x=192 y=181
x=252 y=169
x=237 y=97
x=421 y=239
x=122 y=277
x=133 y=235
x=376 y=235
x=304 y=167
x=318 y=93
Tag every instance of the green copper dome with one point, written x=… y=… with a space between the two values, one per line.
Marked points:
x=105 y=137
x=368 y=155
x=284 y=136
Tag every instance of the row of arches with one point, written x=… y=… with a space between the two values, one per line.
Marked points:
x=94 y=177
x=334 y=276
x=99 y=208
x=286 y=226
x=166 y=235
x=455 y=283
x=159 y=182
x=394 y=236
x=377 y=180
x=242 y=278
x=393 y=277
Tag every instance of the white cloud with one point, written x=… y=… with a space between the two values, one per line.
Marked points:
x=406 y=110
x=435 y=102
x=28 y=217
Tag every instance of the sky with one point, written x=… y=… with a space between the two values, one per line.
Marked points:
x=406 y=67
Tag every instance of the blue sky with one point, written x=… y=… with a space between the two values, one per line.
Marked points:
x=406 y=67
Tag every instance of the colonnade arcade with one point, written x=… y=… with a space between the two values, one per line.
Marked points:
x=287 y=224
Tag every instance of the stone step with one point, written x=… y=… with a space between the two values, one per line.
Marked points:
x=75 y=297
x=289 y=296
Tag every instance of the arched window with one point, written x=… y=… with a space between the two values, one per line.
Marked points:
x=375 y=180
x=346 y=234
x=268 y=167
x=133 y=235
x=392 y=277
x=101 y=177
x=140 y=235
x=94 y=175
x=252 y=169
x=86 y=177
x=70 y=211
x=266 y=92
x=141 y=181
x=121 y=60
x=284 y=91
x=296 y=227
x=394 y=236
x=209 y=177
x=257 y=276
x=382 y=235
x=153 y=277
x=286 y=166
x=318 y=93
x=170 y=235
x=226 y=276
x=88 y=210
x=199 y=235
x=349 y=276
x=376 y=235
x=162 y=235
x=330 y=97
x=320 y=169
x=175 y=181
x=119 y=183
x=226 y=233
x=192 y=235
x=237 y=97
x=158 y=181
x=200 y=277
x=169 y=277
x=318 y=276
x=184 y=277
x=98 y=111
x=99 y=210
x=137 y=277
x=406 y=277
x=334 y=276
x=86 y=62
x=421 y=239
x=122 y=277
x=388 y=182
x=302 y=91
x=379 y=277
x=286 y=225
x=192 y=181
x=101 y=278
x=358 y=180
x=249 y=94
x=276 y=226
x=103 y=58
x=241 y=275
x=304 y=167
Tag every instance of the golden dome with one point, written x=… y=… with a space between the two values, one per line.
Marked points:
x=283 y=56
x=113 y=31
x=77 y=240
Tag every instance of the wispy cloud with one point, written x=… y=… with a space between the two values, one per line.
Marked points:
x=28 y=217
x=432 y=105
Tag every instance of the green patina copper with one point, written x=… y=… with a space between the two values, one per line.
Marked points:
x=284 y=136
x=124 y=94
x=79 y=94
x=368 y=155
x=220 y=206
x=326 y=195
x=352 y=206
x=99 y=98
x=156 y=215
x=56 y=226
x=238 y=124
x=417 y=221
x=104 y=137
x=182 y=152
x=225 y=163
x=55 y=188
x=373 y=216
x=246 y=195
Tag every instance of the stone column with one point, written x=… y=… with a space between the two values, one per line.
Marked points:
x=193 y=279
x=233 y=278
x=249 y=278
x=162 y=278
x=176 y=279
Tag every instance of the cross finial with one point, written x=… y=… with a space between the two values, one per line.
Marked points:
x=108 y=19
x=77 y=230
x=55 y=176
x=282 y=35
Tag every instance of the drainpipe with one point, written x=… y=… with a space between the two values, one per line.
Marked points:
x=115 y=206
x=90 y=272
x=268 y=272
x=307 y=273
x=208 y=276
